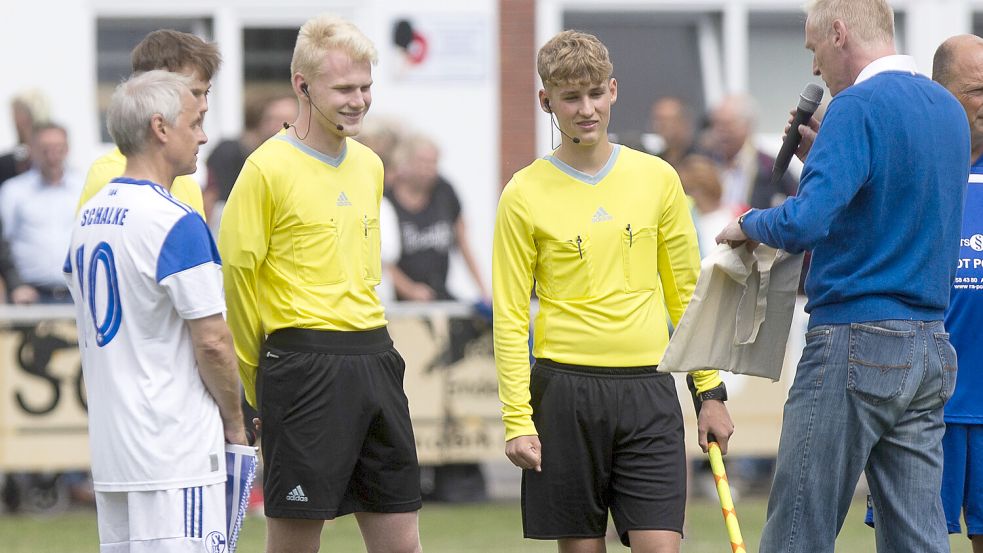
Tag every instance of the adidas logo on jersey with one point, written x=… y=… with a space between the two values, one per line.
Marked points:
x=343 y=200
x=297 y=494
x=600 y=216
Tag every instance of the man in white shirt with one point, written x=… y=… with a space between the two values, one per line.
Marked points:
x=37 y=209
x=157 y=356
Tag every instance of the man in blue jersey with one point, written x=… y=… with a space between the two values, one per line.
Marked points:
x=958 y=66
x=879 y=206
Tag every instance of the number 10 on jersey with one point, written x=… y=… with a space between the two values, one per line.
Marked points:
x=102 y=270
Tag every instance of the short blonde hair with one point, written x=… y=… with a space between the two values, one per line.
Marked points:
x=872 y=21
x=328 y=32
x=573 y=57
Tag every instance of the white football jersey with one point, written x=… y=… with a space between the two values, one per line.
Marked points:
x=140 y=262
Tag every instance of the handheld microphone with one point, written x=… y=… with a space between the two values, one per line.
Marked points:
x=573 y=139
x=808 y=103
x=303 y=88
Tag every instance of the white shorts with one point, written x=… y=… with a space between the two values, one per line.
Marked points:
x=183 y=520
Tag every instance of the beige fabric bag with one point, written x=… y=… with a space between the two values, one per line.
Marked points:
x=739 y=317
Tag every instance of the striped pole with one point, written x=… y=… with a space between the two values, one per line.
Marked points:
x=726 y=501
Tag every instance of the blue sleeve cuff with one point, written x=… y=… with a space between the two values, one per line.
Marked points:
x=752 y=223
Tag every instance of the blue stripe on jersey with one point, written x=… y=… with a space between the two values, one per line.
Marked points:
x=156 y=188
x=167 y=196
x=185 y=512
x=230 y=489
x=201 y=511
x=127 y=180
x=67 y=268
x=188 y=244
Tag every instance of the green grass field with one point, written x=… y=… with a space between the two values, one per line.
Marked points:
x=481 y=528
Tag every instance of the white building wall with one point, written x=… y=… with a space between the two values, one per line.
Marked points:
x=50 y=44
x=57 y=54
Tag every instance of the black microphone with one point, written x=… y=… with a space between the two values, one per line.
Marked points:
x=574 y=139
x=808 y=103
x=303 y=88
x=546 y=102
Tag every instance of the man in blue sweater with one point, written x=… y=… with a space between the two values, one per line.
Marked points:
x=879 y=206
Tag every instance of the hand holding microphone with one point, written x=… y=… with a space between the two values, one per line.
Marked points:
x=808 y=103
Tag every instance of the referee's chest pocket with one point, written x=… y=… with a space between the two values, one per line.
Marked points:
x=371 y=250
x=880 y=360
x=640 y=254
x=569 y=270
x=316 y=254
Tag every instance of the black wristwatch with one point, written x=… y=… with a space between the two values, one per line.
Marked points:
x=718 y=392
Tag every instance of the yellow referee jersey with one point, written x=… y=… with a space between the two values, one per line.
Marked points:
x=300 y=243
x=112 y=165
x=611 y=254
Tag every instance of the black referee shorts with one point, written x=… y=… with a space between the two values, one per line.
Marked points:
x=612 y=439
x=337 y=437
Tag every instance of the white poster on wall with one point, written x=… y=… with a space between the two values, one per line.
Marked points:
x=441 y=47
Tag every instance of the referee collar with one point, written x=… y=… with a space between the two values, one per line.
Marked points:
x=332 y=161
x=582 y=176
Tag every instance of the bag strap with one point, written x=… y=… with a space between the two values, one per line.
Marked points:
x=754 y=301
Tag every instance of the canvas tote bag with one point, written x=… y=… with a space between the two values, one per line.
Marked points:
x=739 y=317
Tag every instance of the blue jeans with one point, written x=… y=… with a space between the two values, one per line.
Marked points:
x=866 y=397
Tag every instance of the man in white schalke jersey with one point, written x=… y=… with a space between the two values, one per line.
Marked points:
x=159 y=366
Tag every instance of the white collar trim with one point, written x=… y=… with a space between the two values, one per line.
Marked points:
x=888 y=63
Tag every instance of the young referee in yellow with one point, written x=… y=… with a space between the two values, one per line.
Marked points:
x=177 y=52
x=300 y=242
x=606 y=235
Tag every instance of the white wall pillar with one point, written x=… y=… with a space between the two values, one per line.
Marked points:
x=929 y=22
x=735 y=31
x=226 y=122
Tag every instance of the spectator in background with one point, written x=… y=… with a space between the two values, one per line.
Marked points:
x=381 y=135
x=29 y=108
x=430 y=224
x=672 y=120
x=37 y=211
x=701 y=182
x=263 y=118
x=177 y=52
x=746 y=170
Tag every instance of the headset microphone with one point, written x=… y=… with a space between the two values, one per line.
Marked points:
x=549 y=110
x=303 y=88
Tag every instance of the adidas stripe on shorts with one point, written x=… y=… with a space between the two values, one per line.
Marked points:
x=336 y=425
x=182 y=520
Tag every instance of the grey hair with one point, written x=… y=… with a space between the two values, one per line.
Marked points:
x=136 y=100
